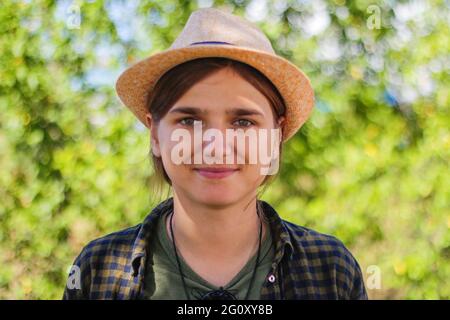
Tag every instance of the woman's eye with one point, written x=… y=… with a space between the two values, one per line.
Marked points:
x=187 y=121
x=243 y=123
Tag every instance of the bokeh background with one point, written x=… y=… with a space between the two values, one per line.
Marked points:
x=371 y=166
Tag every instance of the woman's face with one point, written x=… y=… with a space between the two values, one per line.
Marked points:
x=221 y=171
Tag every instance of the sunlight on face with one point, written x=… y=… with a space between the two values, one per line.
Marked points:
x=222 y=101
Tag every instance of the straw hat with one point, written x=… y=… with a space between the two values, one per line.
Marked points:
x=211 y=32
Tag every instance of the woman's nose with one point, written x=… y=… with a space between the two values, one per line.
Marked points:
x=216 y=144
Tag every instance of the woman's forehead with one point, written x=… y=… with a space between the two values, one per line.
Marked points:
x=220 y=94
x=234 y=111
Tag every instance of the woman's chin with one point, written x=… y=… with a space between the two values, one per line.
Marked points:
x=211 y=198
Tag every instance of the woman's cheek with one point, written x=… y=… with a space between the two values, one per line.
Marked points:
x=250 y=176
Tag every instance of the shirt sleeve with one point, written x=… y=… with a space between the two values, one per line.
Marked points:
x=79 y=278
x=354 y=288
x=358 y=291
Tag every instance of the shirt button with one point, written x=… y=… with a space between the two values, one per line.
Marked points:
x=271 y=278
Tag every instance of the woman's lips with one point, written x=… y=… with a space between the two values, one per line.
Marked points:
x=215 y=173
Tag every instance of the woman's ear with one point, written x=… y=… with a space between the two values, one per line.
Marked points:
x=153 y=135
x=281 y=120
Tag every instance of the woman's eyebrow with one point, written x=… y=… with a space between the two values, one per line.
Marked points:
x=244 y=112
x=188 y=110
x=233 y=111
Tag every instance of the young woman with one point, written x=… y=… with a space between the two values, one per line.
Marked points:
x=214 y=239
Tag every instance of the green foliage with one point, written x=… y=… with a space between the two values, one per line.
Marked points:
x=371 y=166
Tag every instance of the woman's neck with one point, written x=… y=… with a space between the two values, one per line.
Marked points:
x=216 y=232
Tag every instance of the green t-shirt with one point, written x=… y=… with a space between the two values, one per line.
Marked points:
x=163 y=281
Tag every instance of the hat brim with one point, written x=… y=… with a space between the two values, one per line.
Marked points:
x=136 y=83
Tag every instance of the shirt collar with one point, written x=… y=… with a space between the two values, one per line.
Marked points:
x=277 y=226
x=140 y=244
x=283 y=240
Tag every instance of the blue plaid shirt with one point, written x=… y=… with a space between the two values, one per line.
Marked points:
x=307 y=264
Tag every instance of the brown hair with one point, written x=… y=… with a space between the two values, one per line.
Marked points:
x=178 y=80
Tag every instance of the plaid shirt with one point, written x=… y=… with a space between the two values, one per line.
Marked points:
x=307 y=264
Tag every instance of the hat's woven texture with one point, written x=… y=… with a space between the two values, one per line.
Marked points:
x=213 y=33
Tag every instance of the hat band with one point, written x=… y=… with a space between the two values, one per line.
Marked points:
x=210 y=42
